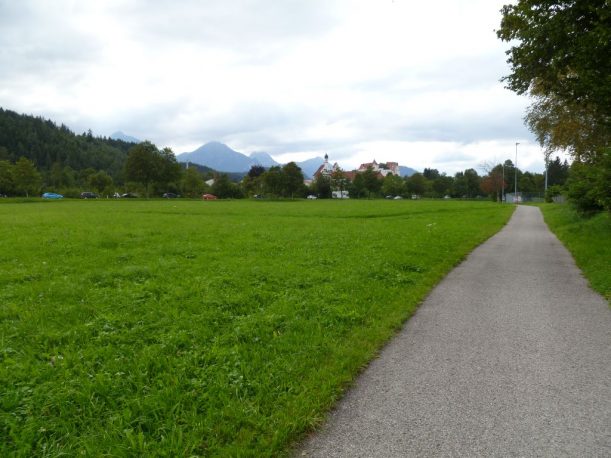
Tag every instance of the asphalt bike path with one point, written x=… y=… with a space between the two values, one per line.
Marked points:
x=510 y=355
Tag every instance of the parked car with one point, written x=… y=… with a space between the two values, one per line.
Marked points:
x=129 y=195
x=89 y=195
x=389 y=197
x=169 y=195
x=209 y=197
x=259 y=196
x=398 y=197
x=52 y=195
x=312 y=196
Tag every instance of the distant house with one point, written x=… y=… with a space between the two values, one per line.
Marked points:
x=383 y=168
x=380 y=169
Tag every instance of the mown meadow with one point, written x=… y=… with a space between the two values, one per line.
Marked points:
x=189 y=328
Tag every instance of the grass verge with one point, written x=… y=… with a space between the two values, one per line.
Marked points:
x=182 y=328
x=588 y=240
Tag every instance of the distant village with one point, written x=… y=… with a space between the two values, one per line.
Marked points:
x=381 y=170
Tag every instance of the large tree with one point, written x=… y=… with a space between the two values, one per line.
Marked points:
x=560 y=57
x=273 y=181
x=494 y=182
x=371 y=181
x=101 y=182
x=142 y=165
x=393 y=185
x=147 y=165
x=417 y=184
x=292 y=182
x=322 y=186
x=26 y=178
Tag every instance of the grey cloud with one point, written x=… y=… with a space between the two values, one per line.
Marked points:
x=42 y=43
x=253 y=26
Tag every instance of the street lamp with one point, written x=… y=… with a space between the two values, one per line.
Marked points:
x=546 y=167
x=503 y=184
x=515 y=186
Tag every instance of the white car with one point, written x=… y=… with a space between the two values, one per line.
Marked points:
x=312 y=196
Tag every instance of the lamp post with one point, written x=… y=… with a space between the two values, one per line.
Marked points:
x=546 y=167
x=503 y=184
x=515 y=186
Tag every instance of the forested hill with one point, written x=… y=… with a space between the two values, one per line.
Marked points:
x=44 y=143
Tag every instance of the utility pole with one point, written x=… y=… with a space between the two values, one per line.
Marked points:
x=515 y=186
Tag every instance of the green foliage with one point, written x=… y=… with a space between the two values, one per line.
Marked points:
x=272 y=181
x=588 y=240
x=561 y=58
x=224 y=188
x=442 y=185
x=339 y=181
x=101 y=182
x=417 y=184
x=466 y=184
x=7 y=179
x=149 y=166
x=393 y=185
x=552 y=191
x=557 y=172
x=285 y=181
x=322 y=187
x=357 y=187
x=431 y=174
x=44 y=143
x=589 y=183
x=292 y=180
x=493 y=183
x=179 y=328
x=372 y=183
x=193 y=184
x=26 y=178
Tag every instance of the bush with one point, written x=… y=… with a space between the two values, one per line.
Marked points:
x=552 y=192
x=589 y=183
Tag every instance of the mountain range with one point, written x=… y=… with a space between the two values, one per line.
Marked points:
x=221 y=157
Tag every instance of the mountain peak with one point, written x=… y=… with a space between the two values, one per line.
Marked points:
x=263 y=158
x=118 y=135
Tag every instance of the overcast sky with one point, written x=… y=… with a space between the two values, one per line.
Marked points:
x=409 y=81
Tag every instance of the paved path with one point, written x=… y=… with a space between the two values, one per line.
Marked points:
x=510 y=355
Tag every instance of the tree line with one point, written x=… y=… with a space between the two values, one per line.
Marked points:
x=37 y=156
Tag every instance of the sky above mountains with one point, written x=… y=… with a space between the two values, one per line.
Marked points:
x=412 y=82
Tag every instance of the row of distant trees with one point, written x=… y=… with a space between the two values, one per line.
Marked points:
x=150 y=171
x=432 y=183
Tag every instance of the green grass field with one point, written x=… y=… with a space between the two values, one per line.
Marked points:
x=189 y=328
x=588 y=240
